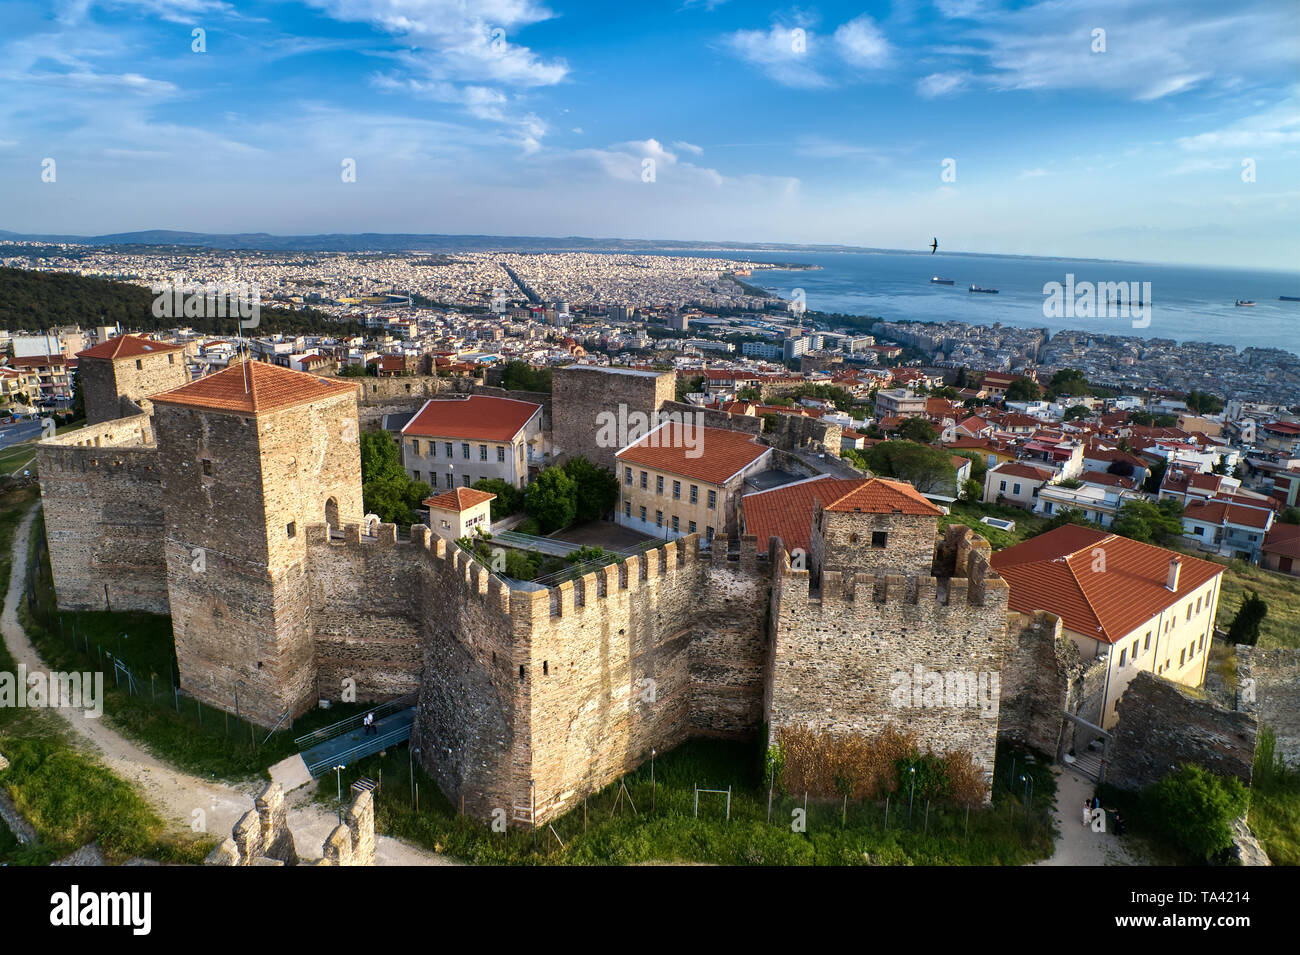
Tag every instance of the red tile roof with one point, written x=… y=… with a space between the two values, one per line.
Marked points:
x=1056 y=572
x=253 y=387
x=706 y=454
x=460 y=499
x=127 y=346
x=1225 y=512
x=787 y=512
x=1021 y=470
x=477 y=418
x=878 y=496
x=1283 y=540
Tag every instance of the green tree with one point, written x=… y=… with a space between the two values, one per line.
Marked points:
x=1195 y=809
x=387 y=491
x=509 y=499
x=972 y=489
x=1245 y=625
x=521 y=376
x=927 y=469
x=1203 y=402
x=597 y=488
x=1289 y=515
x=978 y=464
x=1066 y=515
x=78 y=397
x=1150 y=523
x=1024 y=389
x=1069 y=381
x=552 y=500
x=687 y=385
x=1155 y=477
x=918 y=430
x=1077 y=411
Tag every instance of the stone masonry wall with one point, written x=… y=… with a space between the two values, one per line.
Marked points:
x=103 y=516
x=1036 y=682
x=642 y=655
x=1276 y=674
x=843 y=651
x=384 y=612
x=402 y=394
x=1162 y=725
x=580 y=393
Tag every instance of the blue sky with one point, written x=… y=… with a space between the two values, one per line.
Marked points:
x=827 y=122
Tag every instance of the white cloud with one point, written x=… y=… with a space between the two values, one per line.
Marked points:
x=940 y=84
x=688 y=147
x=861 y=43
x=785 y=54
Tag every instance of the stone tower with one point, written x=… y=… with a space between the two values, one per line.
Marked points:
x=250 y=456
x=128 y=367
x=879 y=527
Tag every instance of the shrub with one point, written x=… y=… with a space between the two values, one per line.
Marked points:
x=1195 y=808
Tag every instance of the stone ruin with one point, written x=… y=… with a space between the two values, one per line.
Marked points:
x=262 y=836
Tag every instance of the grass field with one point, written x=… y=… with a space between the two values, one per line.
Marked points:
x=1281 y=628
x=644 y=827
x=969 y=513
x=67 y=795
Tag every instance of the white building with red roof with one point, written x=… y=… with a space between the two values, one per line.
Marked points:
x=459 y=512
x=457 y=442
x=1137 y=606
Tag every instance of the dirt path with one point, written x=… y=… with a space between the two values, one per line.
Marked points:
x=175 y=795
x=1077 y=845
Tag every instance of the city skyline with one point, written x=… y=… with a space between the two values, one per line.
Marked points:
x=1012 y=133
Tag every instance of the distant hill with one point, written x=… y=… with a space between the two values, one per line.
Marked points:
x=33 y=301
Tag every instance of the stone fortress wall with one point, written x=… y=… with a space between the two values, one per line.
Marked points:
x=527 y=696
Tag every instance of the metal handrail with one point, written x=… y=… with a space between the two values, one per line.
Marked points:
x=361 y=749
x=352 y=722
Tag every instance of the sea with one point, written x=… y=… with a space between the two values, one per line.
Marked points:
x=1188 y=303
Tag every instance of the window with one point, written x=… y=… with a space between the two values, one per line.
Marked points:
x=139 y=365
x=1122 y=655
x=627 y=508
x=643 y=513
x=433 y=479
x=416 y=474
x=659 y=484
x=1134 y=653
x=464 y=450
x=207 y=467
x=482 y=452
x=692 y=528
x=695 y=494
x=677 y=490
x=1015 y=488
x=1189 y=610
x=1198 y=531
x=643 y=480
x=659 y=518
x=879 y=538
x=464 y=479
x=1003 y=487
x=709 y=532
x=1182 y=655
x=501 y=455
x=291 y=529
x=446 y=523
x=171 y=359
x=713 y=499
x=447 y=448
x=1146 y=644
x=675 y=527
x=627 y=476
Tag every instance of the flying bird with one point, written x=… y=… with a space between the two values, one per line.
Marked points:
x=934 y=245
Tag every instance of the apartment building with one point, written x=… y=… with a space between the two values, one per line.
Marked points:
x=1016 y=483
x=1137 y=606
x=683 y=479
x=898 y=403
x=456 y=442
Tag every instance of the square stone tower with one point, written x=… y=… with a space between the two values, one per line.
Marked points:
x=250 y=456
x=880 y=527
x=130 y=367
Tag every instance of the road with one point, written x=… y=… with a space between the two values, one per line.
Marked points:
x=11 y=434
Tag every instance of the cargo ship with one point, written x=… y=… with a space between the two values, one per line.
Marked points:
x=938 y=281
x=1242 y=303
x=1288 y=298
x=986 y=291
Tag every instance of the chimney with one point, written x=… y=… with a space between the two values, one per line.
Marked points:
x=1175 y=568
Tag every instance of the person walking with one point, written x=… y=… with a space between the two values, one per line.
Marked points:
x=1087 y=813
x=369 y=723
